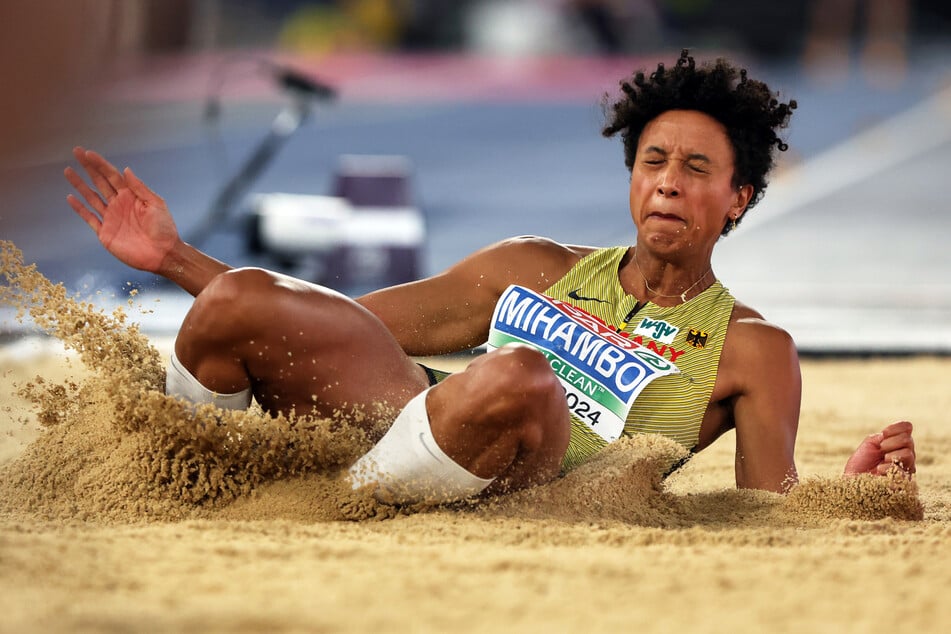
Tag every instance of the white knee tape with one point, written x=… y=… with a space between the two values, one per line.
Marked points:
x=180 y=382
x=408 y=466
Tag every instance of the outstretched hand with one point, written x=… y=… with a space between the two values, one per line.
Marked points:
x=890 y=448
x=132 y=222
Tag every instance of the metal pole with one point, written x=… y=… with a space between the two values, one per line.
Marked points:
x=284 y=125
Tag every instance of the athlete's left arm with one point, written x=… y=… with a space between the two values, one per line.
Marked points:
x=765 y=371
x=765 y=366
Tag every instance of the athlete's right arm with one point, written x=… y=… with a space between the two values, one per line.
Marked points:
x=451 y=311
x=445 y=313
x=133 y=223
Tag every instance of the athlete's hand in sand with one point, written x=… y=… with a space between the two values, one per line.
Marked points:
x=878 y=453
x=131 y=221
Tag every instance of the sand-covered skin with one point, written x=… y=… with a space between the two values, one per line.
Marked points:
x=122 y=511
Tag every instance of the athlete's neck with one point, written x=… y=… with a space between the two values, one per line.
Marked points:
x=663 y=282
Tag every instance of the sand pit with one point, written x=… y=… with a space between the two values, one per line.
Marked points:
x=122 y=511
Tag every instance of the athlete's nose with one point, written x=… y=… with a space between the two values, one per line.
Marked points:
x=668 y=185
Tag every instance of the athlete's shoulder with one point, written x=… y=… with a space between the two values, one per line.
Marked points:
x=751 y=333
x=538 y=261
x=538 y=245
x=758 y=356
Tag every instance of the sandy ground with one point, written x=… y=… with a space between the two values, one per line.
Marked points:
x=117 y=515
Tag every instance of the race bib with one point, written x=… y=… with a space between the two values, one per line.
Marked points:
x=601 y=370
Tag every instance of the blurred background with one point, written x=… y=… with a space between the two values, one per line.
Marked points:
x=454 y=124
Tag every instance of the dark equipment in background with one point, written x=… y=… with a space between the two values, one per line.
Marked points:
x=368 y=233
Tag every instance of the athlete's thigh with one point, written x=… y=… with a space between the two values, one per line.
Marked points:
x=319 y=350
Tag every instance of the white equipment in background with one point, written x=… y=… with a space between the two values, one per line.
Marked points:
x=369 y=233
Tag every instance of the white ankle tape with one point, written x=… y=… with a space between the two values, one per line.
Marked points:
x=408 y=466
x=180 y=382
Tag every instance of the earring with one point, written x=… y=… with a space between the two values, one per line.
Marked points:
x=733 y=224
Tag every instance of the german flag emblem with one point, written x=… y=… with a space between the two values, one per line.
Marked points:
x=697 y=338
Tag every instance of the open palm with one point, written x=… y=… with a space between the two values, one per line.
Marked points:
x=131 y=221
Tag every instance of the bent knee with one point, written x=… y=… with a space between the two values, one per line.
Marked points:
x=236 y=285
x=523 y=370
x=520 y=385
x=532 y=393
x=231 y=301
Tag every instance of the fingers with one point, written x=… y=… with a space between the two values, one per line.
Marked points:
x=106 y=179
x=903 y=458
x=102 y=173
x=898 y=446
x=874 y=439
x=901 y=427
x=90 y=218
x=140 y=189
x=107 y=169
x=893 y=443
x=880 y=453
x=899 y=449
x=95 y=201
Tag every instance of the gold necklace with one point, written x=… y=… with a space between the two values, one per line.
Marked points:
x=682 y=296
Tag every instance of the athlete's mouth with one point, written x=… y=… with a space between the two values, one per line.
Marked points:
x=665 y=216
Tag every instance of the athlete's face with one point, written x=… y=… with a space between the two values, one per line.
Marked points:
x=682 y=193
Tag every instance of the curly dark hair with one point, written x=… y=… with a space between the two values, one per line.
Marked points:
x=747 y=109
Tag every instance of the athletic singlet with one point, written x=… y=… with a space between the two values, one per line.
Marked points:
x=690 y=335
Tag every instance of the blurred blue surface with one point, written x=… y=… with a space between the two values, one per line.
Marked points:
x=486 y=171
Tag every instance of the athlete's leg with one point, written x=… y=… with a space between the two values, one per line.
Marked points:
x=297 y=345
x=504 y=417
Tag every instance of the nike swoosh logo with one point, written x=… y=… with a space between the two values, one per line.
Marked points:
x=422 y=441
x=574 y=295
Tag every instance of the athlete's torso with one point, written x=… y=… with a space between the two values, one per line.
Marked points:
x=691 y=335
